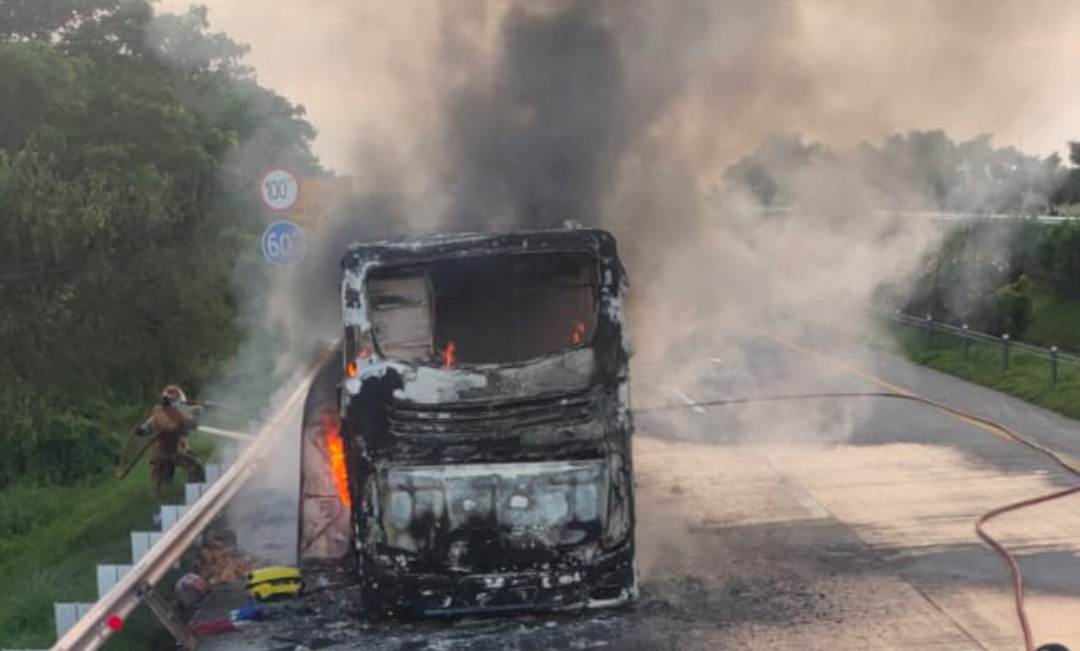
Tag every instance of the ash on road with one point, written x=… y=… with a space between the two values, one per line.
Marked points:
x=851 y=530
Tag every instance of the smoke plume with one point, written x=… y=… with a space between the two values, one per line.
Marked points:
x=625 y=114
x=538 y=140
x=507 y=114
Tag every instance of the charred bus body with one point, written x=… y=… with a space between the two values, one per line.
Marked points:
x=486 y=422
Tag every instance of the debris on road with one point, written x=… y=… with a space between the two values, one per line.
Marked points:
x=191 y=589
x=219 y=562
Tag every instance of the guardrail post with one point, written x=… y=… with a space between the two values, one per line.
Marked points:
x=168 y=618
x=966 y=340
x=66 y=615
x=1053 y=365
x=1005 y=352
x=929 y=331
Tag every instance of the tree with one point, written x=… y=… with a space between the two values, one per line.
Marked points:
x=41 y=20
x=1009 y=309
x=1059 y=256
x=768 y=173
x=124 y=207
x=1068 y=190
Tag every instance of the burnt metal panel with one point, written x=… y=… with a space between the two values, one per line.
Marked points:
x=325 y=524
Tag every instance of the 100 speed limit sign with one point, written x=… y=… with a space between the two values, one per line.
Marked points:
x=279 y=190
x=283 y=243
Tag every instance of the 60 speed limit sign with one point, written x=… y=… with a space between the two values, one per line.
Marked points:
x=279 y=190
x=283 y=243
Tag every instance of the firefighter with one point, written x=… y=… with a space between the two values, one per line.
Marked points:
x=170 y=422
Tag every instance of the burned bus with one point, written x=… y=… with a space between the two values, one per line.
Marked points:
x=485 y=422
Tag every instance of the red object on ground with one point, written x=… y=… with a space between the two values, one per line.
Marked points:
x=1014 y=567
x=1010 y=560
x=212 y=627
x=114 y=623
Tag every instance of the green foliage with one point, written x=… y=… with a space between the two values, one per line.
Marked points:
x=1010 y=309
x=993 y=276
x=768 y=174
x=128 y=147
x=1055 y=321
x=52 y=536
x=44 y=19
x=1059 y=254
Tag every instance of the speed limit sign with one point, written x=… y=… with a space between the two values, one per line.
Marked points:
x=279 y=190
x=283 y=243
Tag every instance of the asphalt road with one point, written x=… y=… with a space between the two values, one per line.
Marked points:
x=807 y=525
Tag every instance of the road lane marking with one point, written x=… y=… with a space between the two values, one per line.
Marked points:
x=885 y=384
x=716 y=360
x=688 y=400
x=854 y=370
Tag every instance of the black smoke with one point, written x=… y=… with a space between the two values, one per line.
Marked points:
x=537 y=143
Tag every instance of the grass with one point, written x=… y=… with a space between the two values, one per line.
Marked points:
x=52 y=537
x=1028 y=375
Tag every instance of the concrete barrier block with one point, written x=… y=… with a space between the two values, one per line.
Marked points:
x=67 y=614
x=213 y=472
x=170 y=515
x=192 y=493
x=141 y=542
x=108 y=576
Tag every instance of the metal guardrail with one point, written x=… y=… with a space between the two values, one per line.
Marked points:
x=98 y=624
x=1006 y=346
x=978 y=216
x=947 y=217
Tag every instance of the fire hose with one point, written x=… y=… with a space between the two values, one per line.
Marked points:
x=1016 y=575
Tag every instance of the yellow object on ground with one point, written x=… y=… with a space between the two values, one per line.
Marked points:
x=267 y=583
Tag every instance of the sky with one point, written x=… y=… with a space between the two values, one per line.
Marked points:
x=837 y=71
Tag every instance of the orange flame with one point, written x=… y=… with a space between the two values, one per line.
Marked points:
x=578 y=333
x=335 y=447
x=449 y=356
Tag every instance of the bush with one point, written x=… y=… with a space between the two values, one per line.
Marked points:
x=1059 y=257
x=49 y=439
x=1013 y=308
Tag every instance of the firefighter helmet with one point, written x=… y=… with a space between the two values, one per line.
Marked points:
x=173 y=393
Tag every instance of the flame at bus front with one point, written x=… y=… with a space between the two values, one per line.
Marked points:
x=577 y=335
x=335 y=448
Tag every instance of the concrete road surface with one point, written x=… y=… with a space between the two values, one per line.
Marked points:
x=873 y=502
x=818 y=524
